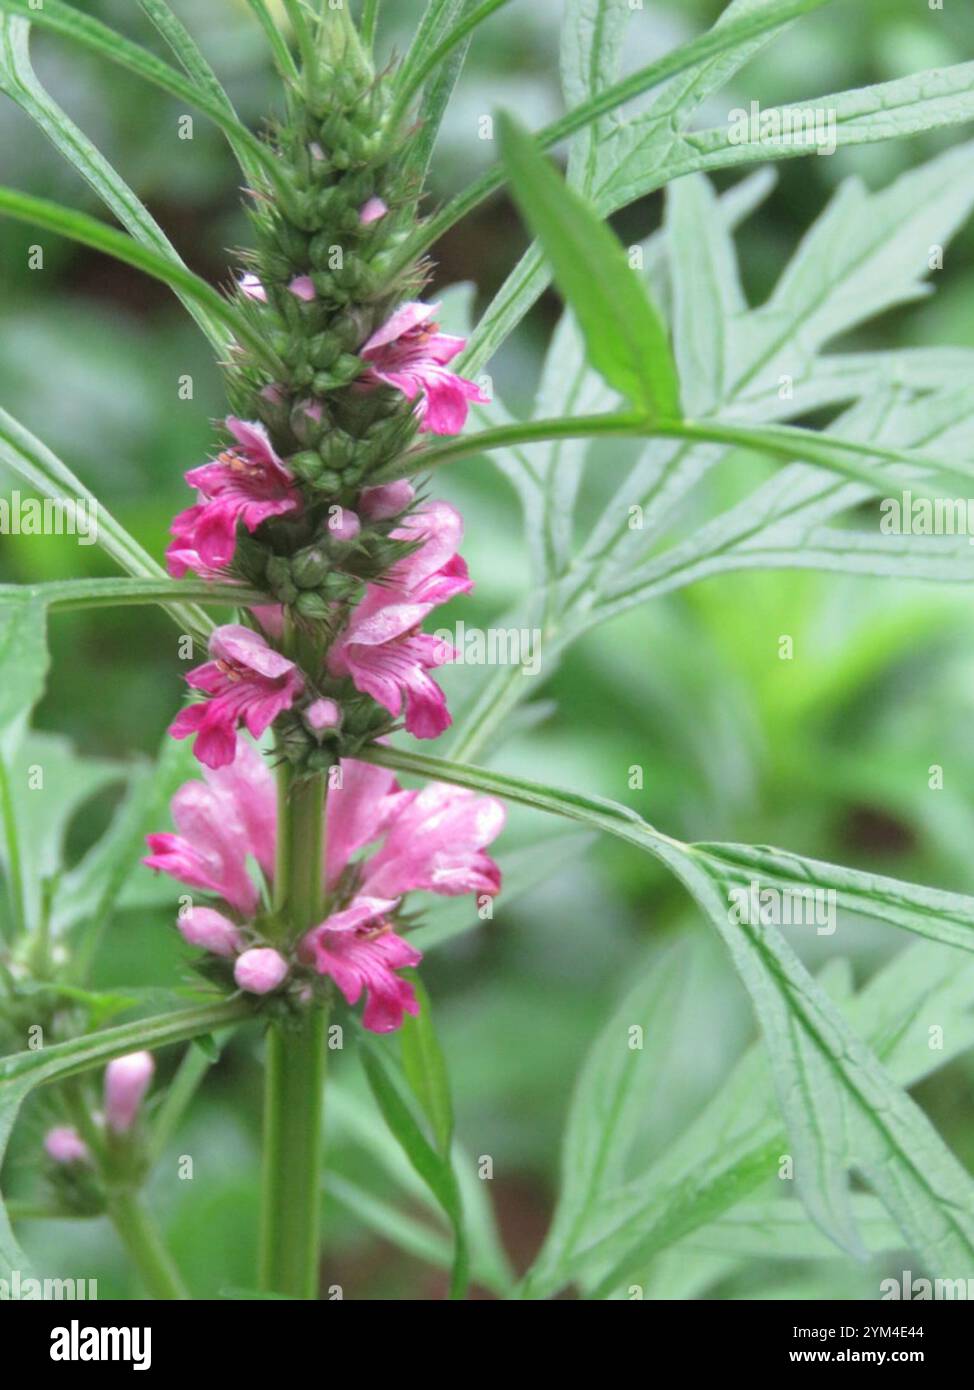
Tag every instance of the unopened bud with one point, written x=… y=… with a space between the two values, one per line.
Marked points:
x=323 y=715
x=388 y=499
x=371 y=211
x=343 y=525
x=126 y=1082
x=260 y=970
x=302 y=287
x=65 y=1145
x=210 y=930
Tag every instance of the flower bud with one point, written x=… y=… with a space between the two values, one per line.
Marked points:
x=371 y=211
x=302 y=287
x=312 y=605
x=251 y=286
x=309 y=567
x=388 y=499
x=65 y=1145
x=343 y=525
x=323 y=715
x=306 y=465
x=204 y=927
x=260 y=970
x=126 y=1082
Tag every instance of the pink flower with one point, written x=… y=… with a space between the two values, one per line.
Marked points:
x=65 y=1145
x=251 y=286
x=220 y=821
x=382 y=649
x=247 y=484
x=436 y=843
x=271 y=618
x=247 y=681
x=126 y=1082
x=409 y=353
x=260 y=970
x=360 y=951
x=371 y=211
x=302 y=287
x=433 y=840
x=204 y=927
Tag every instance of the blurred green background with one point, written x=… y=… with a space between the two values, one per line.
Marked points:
x=827 y=755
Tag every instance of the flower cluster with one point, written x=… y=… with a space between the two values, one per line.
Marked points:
x=310 y=503
x=432 y=840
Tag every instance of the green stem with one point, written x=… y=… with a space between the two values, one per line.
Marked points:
x=140 y=1236
x=295 y=1061
x=293 y=1093
x=787 y=443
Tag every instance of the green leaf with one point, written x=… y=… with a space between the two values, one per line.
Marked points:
x=285 y=64
x=410 y=1234
x=65 y=595
x=842 y=1108
x=424 y=1067
x=351 y=1123
x=591 y=44
x=722 y=38
x=100 y=237
x=436 y=93
x=610 y=1099
x=31 y=460
x=23 y=666
x=433 y=1167
x=438 y=18
x=643 y=155
x=929 y=912
x=100 y=39
x=430 y=61
x=734 y=1146
x=886 y=111
x=199 y=72
x=18 y=80
x=624 y=334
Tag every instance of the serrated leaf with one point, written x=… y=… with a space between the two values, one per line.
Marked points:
x=843 y=1109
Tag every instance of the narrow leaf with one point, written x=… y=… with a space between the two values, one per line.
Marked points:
x=624 y=334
